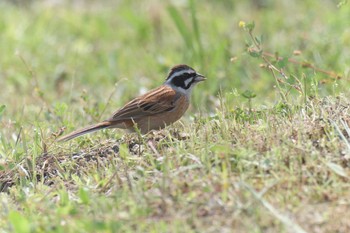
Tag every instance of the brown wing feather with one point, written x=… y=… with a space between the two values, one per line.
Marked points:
x=156 y=101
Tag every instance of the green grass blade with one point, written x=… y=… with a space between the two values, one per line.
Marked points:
x=196 y=30
x=181 y=26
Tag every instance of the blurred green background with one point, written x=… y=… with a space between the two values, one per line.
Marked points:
x=61 y=61
x=72 y=63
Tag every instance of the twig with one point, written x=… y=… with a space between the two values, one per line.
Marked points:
x=18 y=136
x=293 y=226
x=306 y=65
x=109 y=98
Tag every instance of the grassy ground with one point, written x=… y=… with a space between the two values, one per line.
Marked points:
x=255 y=153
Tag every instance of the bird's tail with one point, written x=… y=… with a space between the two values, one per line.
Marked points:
x=85 y=130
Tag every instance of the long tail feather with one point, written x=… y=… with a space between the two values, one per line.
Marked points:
x=83 y=131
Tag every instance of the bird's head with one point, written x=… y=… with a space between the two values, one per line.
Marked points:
x=183 y=78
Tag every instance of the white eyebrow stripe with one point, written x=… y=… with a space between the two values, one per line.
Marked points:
x=178 y=73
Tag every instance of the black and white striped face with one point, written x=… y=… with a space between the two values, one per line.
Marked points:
x=182 y=78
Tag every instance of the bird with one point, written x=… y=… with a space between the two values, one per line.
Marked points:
x=153 y=110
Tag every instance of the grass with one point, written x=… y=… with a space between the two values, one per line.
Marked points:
x=255 y=153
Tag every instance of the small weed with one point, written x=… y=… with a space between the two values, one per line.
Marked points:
x=273 y=158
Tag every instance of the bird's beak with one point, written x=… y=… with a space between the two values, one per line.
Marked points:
x=199 y=78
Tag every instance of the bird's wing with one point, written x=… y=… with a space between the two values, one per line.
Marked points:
x=159 y=100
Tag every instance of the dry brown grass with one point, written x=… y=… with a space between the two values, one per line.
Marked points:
x=212 y=179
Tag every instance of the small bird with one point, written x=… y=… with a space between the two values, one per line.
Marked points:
x=154 y=110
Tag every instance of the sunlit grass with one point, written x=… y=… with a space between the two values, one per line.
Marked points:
x=251 y=155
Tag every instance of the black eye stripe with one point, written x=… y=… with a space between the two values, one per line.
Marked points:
x=187 y=76
x=180 y=81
